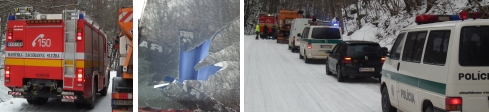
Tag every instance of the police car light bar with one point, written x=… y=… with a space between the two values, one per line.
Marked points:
x=424 y=19
x=464 y=15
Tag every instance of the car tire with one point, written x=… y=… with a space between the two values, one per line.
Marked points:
x=339 y=74
x=300 y=56
x=428 y=108
x=306 y=60
x=386 y=104
x=289 y=45
x=327 y=69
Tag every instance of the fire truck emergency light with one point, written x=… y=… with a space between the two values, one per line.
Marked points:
x=10 y=34
x=7 y=74
x=79 y=34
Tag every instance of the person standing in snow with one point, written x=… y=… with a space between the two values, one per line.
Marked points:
x=265 y=31
x=274 y=29
x=257 y=30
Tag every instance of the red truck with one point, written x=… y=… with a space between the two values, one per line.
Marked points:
x=62 y=56
x=266 y=20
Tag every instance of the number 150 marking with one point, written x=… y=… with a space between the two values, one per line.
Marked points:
x=44 y=42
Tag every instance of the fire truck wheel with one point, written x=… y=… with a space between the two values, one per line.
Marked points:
x=30 y=100
x=38 y=100
x=103 y=92
x=79 y=105
x=91 y=101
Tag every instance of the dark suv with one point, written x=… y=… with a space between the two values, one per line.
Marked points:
x=356 y=59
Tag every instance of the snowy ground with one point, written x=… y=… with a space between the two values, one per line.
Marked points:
x=21 y=105
x=277 y=80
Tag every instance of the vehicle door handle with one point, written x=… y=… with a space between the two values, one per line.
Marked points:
x=398 y=65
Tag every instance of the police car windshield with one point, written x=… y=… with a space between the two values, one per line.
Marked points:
x=326 y=33
x=474 y=44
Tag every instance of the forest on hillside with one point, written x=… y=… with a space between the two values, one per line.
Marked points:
x=346 y=9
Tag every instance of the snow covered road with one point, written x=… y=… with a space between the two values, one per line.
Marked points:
x=21 y=105
x=276 y=80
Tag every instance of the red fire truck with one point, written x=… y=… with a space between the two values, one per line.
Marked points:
x=266 y=20
x=62 y=56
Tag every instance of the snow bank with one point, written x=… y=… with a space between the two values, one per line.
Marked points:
x=13 y=105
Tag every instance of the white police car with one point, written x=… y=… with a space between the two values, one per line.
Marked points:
x=316 y=40
x=440 y=65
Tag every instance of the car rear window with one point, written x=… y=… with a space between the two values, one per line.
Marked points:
x=326 y=33
x=474 y=44
x=362 y=49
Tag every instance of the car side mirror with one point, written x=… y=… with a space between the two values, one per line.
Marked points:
x=299 y=34
x=384 y=51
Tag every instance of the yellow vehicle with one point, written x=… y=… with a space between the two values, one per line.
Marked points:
x=122 y=84
x=284 y=19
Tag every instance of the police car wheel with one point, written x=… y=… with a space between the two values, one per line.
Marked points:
x=428 y=108
x=386 y=104
x=305 y=58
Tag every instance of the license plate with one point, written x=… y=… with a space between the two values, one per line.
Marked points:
x=326 y=46
x=15 y=44
x=122 y=102
x=443 y=18
x=367 y=69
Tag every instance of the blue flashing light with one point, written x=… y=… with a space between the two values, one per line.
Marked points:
x=455 y=17
x=11 y=17
x=335 y=24
x=81 y=16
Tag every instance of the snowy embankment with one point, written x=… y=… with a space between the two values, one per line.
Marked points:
x=3 y=90
x=379 y=25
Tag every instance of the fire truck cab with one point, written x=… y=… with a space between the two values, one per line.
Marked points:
x=61 y=56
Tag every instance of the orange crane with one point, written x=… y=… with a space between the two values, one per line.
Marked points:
x=285 y=18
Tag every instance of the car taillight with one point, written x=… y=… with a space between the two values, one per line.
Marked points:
x=382 y=59
x=309 y=45
x=346 y=59
x=79 y=77
x=453 y=103
x=10 y=34
x=7 y=74
x=79 y=34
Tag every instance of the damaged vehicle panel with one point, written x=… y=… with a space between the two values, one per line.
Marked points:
x=189 y=55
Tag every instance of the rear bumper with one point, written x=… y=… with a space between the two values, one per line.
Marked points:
x=350 y=70
x=65 y=96
x=129 y=109
x=315 y=55
x=121 y=108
